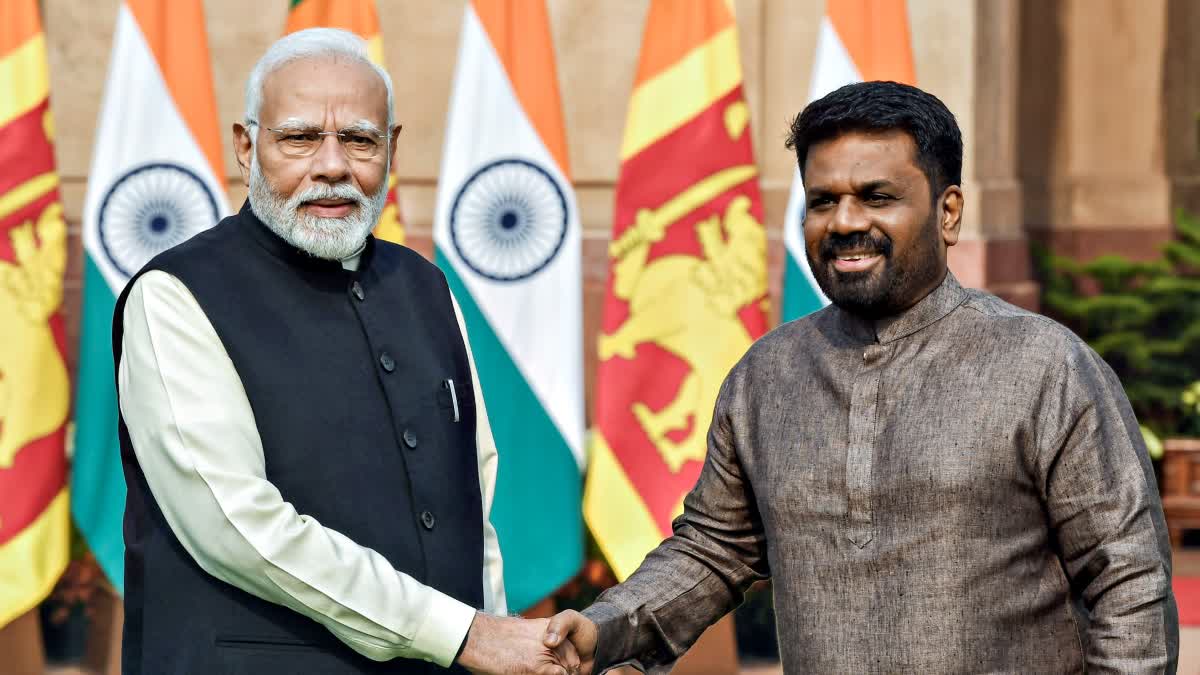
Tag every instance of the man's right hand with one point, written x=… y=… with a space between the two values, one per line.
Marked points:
x=512 y=646
x=572 y=628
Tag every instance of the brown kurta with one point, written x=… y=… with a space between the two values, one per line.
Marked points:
x=929 y=494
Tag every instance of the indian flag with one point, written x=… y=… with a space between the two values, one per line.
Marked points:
x=507 y=235
x=358 y=17
x=156 y=180
x=859 y=41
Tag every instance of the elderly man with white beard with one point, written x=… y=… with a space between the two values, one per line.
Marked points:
x=308 y=459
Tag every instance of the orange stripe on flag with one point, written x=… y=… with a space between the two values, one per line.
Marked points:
x=357 y=16
x=175 y=32
x=18 y=23
x=520 y=34
x=875 y=33
x=678 y=27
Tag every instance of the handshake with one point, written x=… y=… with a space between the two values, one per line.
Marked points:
x=562 y=645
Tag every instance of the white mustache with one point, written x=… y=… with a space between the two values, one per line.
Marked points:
x=322 y=191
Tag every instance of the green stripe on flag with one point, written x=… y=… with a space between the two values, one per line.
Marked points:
x=799 y=296
x=536 y=511
x=97 y=482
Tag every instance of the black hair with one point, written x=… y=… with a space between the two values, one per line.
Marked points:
x=886 y=106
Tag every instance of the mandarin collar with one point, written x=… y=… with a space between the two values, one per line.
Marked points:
x=276 y=246
x=928 y=310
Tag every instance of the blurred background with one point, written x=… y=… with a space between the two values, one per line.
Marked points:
x=1081 y=175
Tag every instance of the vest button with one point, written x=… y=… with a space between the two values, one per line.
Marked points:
x=385 y=360
x=427 y=520
x=410 y=439
x=357 y=289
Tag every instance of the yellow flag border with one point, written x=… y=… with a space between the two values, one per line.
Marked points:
x=616 y=513
x=37 y=556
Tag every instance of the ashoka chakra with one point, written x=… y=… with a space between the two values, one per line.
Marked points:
x=150 y=209
x=508 y=220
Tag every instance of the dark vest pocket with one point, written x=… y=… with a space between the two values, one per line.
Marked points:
x=250 y=655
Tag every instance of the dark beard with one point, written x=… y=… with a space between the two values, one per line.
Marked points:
x=885 y=290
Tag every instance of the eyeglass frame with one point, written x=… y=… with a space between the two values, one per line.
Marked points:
x=385 y=137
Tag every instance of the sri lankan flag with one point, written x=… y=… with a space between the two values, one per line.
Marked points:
x=687 y=284
x=358 y=17
x=34 y=390
x=859 y=40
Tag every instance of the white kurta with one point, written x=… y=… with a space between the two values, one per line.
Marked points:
x=195 y=438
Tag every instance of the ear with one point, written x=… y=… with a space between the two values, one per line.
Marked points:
x=243 y=145
x=950 y=210
x=394 y=142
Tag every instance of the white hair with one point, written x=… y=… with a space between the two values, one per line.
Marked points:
x=313 y=43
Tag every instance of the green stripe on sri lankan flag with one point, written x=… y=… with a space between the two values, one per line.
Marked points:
x=507 y=236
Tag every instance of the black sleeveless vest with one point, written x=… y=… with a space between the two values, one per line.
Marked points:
x=347 y=375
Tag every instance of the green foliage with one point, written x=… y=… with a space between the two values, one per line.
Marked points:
x=1143 y=319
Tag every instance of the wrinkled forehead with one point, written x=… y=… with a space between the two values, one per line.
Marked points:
x=326 y=92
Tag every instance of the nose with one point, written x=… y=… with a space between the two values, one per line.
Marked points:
x=329 y=164
x=849 y=216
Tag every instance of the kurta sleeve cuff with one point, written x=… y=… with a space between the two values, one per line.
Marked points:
x=614 y=636
x=445 y=627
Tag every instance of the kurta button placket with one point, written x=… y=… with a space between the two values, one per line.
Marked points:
x=860 y=453
x=388 y=363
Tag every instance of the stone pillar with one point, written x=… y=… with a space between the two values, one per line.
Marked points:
x=1094 y=152
x=1181 y=104
x=992 y=252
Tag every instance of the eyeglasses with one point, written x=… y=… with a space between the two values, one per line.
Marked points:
x=357 y=143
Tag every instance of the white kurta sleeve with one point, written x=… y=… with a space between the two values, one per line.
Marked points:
x=195 y=438
x=494 y=598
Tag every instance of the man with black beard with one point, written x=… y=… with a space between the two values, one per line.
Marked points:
x=934 y=480
x=307 y=454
